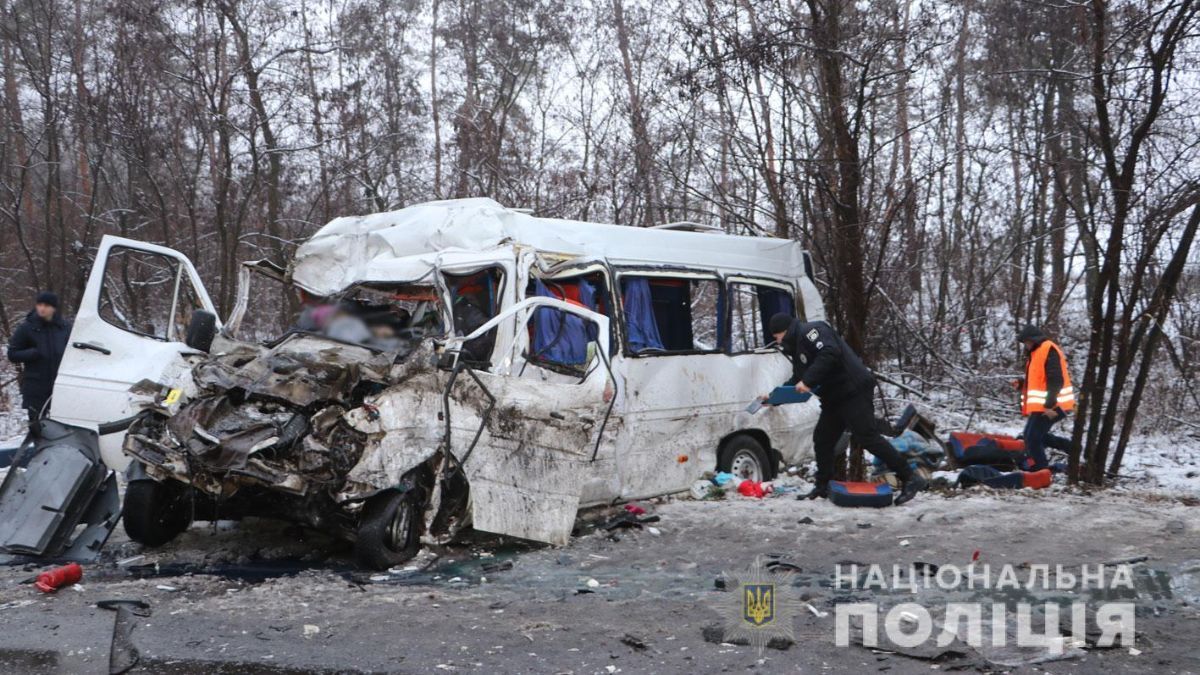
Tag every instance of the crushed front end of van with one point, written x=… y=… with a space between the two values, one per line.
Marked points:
x=376 y=446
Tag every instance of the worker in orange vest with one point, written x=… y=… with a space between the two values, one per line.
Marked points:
x=1046 y=396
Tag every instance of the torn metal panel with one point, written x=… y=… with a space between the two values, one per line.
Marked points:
x=57 y=485
x=527 y=471
x=405 y=429
x=301 y=369
x=269 y=416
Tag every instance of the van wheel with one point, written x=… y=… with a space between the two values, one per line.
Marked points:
x=389 y=530
x=154 y=512
x=745 y=458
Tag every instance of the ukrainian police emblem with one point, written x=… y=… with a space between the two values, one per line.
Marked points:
x=759 y=605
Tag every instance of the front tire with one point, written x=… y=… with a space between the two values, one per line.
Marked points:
x=389 y=530
x=154 y=512
x=745 y=458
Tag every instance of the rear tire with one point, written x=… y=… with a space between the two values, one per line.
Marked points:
x=389 y=530
x=155 y=513
x=744 y=457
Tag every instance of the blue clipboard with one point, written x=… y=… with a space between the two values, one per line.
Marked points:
x=785 y=394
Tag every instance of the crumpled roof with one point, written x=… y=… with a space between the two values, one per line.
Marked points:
x=409 y=241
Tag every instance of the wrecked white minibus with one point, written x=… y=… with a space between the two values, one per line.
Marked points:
x=455 y=363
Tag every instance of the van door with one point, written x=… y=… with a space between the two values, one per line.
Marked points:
x=131 y=326
x=540 y=437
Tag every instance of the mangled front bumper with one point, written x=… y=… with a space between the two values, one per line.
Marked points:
x=264 y=417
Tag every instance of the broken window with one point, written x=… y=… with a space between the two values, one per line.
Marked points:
x=476 y=299
x=751 y=307
x=187 y=301
x=588 y=290
x=140 y=291
x=272 y=309
x=559 y=338
x=672 y=314
x=386 y=317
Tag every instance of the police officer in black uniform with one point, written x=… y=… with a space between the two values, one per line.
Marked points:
x=822 y=363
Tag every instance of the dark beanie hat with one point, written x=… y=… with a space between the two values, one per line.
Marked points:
x=47 y=298
x=780 y=323
x=1032 y=333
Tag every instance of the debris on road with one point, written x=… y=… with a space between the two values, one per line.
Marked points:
x=627 y=520
x=854 y=494
x=59 y=500
x=994 y=478
x=715 y=633
x=59 y=577
x=634 y=641
x=123 y=654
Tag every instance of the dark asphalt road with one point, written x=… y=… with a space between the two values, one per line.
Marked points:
x=650 y=601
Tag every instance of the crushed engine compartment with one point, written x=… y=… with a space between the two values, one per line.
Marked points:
x=272 y=420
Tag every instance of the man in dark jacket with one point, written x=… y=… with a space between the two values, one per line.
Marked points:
x=37 y=346
x=823 y=364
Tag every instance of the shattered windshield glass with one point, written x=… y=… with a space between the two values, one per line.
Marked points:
x=385 y=317
x=388 y=319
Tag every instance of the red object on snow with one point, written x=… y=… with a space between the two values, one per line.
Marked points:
x=751 y=488
x=48 y=582
x=1037 y=479
x=635 y=509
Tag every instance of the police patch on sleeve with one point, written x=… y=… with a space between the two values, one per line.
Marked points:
x=812 y=335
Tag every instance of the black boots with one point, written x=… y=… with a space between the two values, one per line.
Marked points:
x=818 y=492
x=911 y=487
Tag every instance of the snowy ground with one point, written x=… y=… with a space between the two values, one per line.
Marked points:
x=1169 y=464
x=629 y=601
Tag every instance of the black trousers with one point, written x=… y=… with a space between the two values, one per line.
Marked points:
x=857 y=414
x=1038 y=438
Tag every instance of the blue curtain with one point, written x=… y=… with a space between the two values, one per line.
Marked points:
x=559 y=337
x=587 y=296
x=772 y=301
x=639 y=314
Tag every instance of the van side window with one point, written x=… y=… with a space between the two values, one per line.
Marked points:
x=561 y=341
x=475 y=299
x=751 y=307
x=671 y=315
x=555 y=336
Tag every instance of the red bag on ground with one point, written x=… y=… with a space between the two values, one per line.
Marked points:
x=750 y=488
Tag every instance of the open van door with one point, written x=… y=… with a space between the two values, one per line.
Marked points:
x=132 y=325
x=535 y=443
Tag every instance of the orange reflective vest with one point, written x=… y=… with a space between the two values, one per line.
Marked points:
x=1038 y=394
